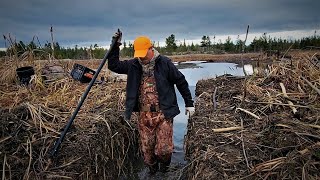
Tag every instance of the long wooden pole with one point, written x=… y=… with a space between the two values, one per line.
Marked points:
x=52 y=42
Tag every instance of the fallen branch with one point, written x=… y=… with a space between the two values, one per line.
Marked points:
x=26 y=175
x=306 y=150
x=248 y=112
x=214 y=99
x=4 y=167
x=202 y=94
x=55 y=176
x=286 y=53
x=311 y=85
x=286 y=95
x=5 y=138
x=219 y=130
x=269 y=165
x=114 y=135
x=283 y=125
x=67 y=164
x=313 y=60
x=310 y=125
x=284 y=105
x=310 y=135
x=243 y=148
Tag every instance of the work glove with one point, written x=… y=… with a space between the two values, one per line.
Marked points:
x=190 y=111
x=117 y=37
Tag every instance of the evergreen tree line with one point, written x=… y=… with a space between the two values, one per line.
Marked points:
x=207 y=45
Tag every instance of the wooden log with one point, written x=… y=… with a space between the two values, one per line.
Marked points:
x=219 y=130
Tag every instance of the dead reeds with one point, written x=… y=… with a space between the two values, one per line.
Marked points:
x=99 y=144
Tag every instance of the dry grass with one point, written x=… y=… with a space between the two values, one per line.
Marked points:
x=98 y=145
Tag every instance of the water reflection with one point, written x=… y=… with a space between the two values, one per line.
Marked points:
x=208 y=70
x=189 y=64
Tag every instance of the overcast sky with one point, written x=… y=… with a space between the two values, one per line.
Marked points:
x=86 y=22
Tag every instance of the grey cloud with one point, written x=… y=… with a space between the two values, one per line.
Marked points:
x=95 y=20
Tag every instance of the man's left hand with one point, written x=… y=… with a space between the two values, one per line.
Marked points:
x=190 y=111
x=117 y=37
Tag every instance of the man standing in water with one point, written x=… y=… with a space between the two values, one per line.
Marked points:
x=150 y=91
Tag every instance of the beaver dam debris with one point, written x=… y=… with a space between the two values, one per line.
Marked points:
x=257 y=127
x=99 y=144
x=264 y=126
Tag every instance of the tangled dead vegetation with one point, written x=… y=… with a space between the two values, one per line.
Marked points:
x=99 y=145
x=257 y=127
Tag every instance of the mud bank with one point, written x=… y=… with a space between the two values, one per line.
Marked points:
x=257 y=127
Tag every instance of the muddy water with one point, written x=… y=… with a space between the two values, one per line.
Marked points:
x=193 y=71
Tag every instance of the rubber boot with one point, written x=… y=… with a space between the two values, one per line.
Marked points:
x=153 y=168
x=164 y=166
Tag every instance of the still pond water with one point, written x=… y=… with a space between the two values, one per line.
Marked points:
x=195 y=71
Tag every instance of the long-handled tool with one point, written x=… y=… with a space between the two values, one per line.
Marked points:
x=57 y=144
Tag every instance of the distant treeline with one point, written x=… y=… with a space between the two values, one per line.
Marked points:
x=207 y=45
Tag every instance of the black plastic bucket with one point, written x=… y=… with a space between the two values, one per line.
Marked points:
x=24 y=74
